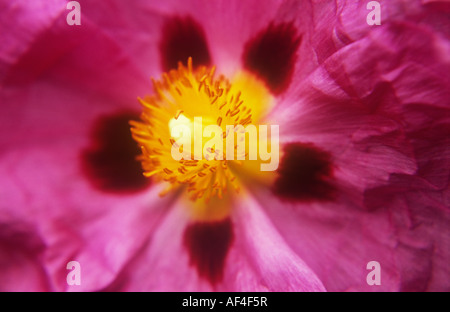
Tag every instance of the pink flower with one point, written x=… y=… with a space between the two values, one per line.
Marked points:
x=363 y=113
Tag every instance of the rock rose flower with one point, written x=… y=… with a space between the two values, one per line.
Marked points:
x=86 y=173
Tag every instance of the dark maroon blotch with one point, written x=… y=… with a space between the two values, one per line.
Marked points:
x=110 y=161
x=305 y=174
x=208 y=244
x=183 y=37
x=272 y=54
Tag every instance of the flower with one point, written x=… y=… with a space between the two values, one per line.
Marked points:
x=363 y=175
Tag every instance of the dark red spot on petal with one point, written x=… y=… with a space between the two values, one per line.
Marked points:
x=110 y=161
x=183 y=37
x=271 y=54
x=208 y=244
x=305 y=174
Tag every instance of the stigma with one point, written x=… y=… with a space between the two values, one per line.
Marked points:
x=189 y=105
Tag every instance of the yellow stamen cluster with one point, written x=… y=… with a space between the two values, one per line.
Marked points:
x=183 y=94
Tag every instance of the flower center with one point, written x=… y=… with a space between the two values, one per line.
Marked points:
x=194 y=100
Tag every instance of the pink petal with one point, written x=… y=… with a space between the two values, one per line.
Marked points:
x=258 y=260
x=21 y=257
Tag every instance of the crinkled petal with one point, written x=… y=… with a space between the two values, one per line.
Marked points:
x=407 y=235
x=379 y=106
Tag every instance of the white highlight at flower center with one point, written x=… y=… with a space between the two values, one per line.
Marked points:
x=181 y=130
